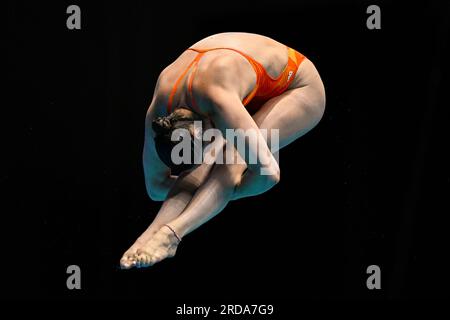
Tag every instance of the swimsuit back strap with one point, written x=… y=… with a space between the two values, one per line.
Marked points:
x=175 y=87
x=190 y=81
x=252 y=61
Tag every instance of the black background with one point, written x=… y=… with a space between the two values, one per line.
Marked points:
x=369 y=185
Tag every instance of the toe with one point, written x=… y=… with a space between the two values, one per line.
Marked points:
x=142 y=259
x=125 y=263
x=139 y=261
x=129 y=257
x=145 y=260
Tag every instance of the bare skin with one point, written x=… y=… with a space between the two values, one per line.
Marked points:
x=179 y=196
x=223 y=79
x=177 y=200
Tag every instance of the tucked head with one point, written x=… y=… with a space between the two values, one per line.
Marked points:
x=163 y=127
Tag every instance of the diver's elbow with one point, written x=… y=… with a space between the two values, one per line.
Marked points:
x=272 y=176
x=155 y=192
x=275 y=178
x=156 y=196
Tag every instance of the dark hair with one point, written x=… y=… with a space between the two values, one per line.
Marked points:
x=163 y=127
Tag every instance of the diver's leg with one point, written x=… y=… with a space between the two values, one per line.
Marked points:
x=296 y=111
x=177 y=200
x=209 y=200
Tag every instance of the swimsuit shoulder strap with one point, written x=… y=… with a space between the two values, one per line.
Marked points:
x=190 y=80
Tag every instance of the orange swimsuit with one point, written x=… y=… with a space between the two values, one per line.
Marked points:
x=266 y=87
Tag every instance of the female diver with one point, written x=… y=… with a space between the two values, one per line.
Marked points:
x=226 y=81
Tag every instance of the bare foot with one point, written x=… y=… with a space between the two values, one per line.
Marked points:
x=128 y=260
x=161 y=246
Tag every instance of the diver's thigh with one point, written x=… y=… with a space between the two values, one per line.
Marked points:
x=293 y=113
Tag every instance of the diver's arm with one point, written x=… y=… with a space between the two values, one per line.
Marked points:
x=158 y=177
x=161 y=184
x=229 y=113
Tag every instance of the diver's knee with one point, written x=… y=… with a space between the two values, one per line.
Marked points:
x=231 y=174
